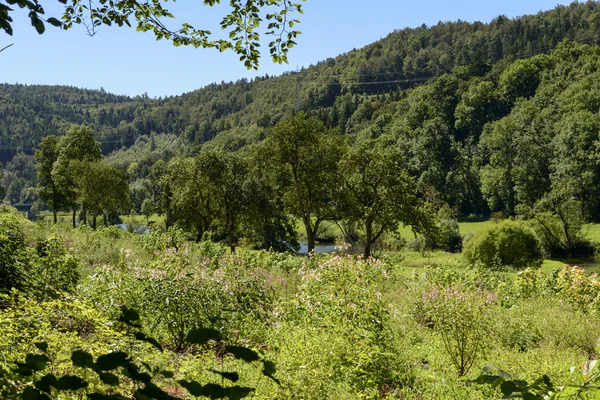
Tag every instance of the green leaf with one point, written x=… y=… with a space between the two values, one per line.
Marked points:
x=133 y=372
x=70 y=382
x=130 y=317
x=154 y=392
x=213 y=391
x=144 y=338
x=30 y=394
x=46 y=383
x=203 y=335
x=507 y=388
x=98 y=396
x=23 y=370
x=193 y=387
x=269 y=370
x=108 y=378
x=167 y=374
x=243 y=353
x=82 y=359
x=112 y=361
x=36 y=362
x=43 y=346
x=232 y=376
x=53 y=21
x=237 y=392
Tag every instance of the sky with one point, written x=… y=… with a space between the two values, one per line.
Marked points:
x=124 y=61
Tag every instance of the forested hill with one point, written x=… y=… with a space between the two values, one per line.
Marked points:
x=490 y=117
x=28 y=113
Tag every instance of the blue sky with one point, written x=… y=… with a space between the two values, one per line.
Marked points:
x=124 y=61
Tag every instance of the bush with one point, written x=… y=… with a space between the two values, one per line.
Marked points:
x=13 y=255
x=508 y=244
x=54 y=270
x=449 y=236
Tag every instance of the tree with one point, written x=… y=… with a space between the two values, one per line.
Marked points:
x=45 y=156
x=225 y=173
x=379 y=194
x=147 y=208
x=101 y=188
x=78 y=145
x=306 y=155
x=242 y=21
x=192 y=204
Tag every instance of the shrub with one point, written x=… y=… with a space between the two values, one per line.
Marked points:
x=176 y=293
x=449 y=236
x=508 y=244
x=53 y=269
x=461 y=317
x=13 y=255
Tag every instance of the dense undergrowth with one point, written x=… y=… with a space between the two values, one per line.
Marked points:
x=326 y=326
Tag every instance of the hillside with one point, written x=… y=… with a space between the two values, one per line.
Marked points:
x=432 y=92
x=403 y=58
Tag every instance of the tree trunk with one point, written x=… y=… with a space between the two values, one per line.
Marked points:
x=84 y=213
x=105 y=219
x=55 y=217
x=231 y=238
x=74 y=215
x=310 y=239
x=94 y=217
x=368 y=240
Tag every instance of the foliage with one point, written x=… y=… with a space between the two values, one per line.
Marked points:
x=306 y=155
x=509 y=244
x=543 y=388
x=379 y=194
x=176 y=292
x=119 y=372
x=54 y=270
x=242 y=21
x=460 y=316
x=13 y=255
x=558 y=220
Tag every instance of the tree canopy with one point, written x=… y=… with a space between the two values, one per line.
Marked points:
x=242 y=22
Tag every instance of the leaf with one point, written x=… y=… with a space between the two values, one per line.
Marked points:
x=108 y=378
x=23 y=370
x=36 y=362
x=98 y=396
x=30 y=394
x=243 y=353
x=112 y=361
x=203 y=335
x=232 y=376
x=133 y=372
x=487 y=368
x=237 y=392
x=193 y=387
x=144 y=338
x=70 y=382
x=269 y=370
x=507 y=388
x=213 y=391
x=154 y=392
x=43 y=346
x=167 y=374
x=53 y=21
x=130 y=317
x=46 y=382
x=82 y=359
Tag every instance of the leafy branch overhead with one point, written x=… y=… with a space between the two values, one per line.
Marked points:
x=242 y=22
